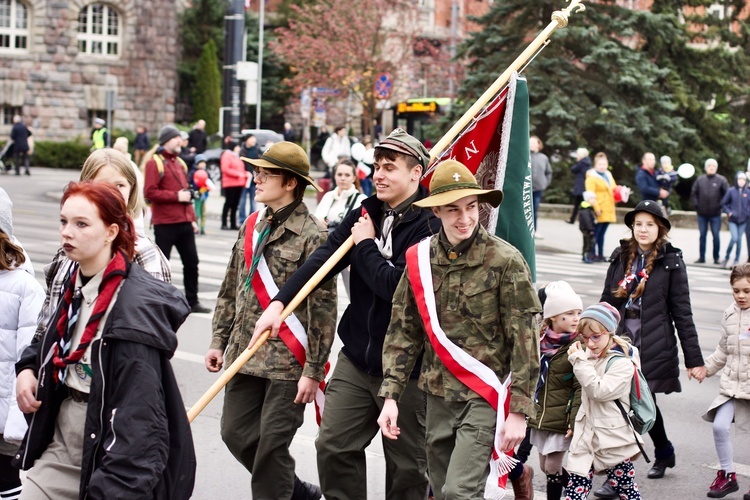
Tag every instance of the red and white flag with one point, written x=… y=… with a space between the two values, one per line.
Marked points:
x=495 y=147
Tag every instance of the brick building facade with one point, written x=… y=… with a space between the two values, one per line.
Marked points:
x=59 y=58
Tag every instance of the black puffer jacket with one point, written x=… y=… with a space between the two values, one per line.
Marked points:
x=707 y=193
x=373 y=280
x=665 y=305
x=137 y=439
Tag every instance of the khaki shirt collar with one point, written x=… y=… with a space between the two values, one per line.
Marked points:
x=472 y=257
x=293 y=223
x=90 y=291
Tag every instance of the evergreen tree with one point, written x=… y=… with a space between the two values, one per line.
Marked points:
x=199 y=23
x=620 y=80
x=207 y=90
x=710 y=72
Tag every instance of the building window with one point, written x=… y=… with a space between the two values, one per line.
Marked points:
x=8 y=112
x=14 y=25
x=719 y=10
x=99 y=31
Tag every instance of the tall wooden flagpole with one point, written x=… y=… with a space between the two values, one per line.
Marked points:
x=559 y=20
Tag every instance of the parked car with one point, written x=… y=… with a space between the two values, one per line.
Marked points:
x=264 y=136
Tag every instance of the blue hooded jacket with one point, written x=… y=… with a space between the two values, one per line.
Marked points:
x=736 y=201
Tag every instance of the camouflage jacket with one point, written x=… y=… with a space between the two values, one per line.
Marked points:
x=237 y=307
x=486 y=305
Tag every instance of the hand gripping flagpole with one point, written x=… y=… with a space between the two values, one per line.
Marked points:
x=559 y=20
x=248 y=353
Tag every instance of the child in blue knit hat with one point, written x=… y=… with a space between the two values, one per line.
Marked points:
x=603 y=441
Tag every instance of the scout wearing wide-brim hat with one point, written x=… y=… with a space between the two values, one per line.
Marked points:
x=286 y=156
x=452 y=181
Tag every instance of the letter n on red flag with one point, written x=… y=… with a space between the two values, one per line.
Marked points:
x=495 y=147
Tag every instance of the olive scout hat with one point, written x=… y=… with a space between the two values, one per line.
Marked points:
x=286 y=156
x=651 y=207
x=400 y=141
x=452 y=181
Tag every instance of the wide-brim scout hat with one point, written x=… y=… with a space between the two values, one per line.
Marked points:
x=452 y=181
x=648 y=206
x=286 y=156
x=400 y=141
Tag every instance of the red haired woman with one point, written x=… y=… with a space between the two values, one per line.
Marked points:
x=110 y=166
x=105 y=415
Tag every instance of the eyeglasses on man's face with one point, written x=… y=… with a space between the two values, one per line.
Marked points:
x=261 y=176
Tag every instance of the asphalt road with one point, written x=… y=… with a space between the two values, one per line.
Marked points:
x=220 y=476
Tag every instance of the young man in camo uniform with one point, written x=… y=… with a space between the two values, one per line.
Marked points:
x=466 y=298
x=264 y=403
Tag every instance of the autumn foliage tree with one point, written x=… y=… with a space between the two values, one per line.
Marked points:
x=346 y=46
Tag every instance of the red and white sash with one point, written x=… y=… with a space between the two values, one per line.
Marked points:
x=291 y=332
x=471 y=372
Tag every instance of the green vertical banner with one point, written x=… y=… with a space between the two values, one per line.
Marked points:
x=515 y=217
x=495 y=148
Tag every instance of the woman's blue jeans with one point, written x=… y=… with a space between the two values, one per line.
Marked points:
x=599 y=230
x=736 y=231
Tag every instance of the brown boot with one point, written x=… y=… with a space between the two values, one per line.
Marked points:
x=523 y=487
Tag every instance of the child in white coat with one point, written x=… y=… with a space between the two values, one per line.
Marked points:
x=733 y=403
x=558 y=394
x=21 y=298
x=603 y=440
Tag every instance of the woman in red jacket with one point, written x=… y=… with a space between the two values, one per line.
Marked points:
x=233 y=179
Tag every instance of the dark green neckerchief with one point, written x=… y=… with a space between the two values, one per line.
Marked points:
x=454 y=252
x=271 y=221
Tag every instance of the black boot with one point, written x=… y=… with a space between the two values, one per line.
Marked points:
x=555 y=485
x=664 y=459
x=305 y=491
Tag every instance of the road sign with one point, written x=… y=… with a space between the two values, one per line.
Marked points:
x=325 y=91
x=383 y=86
x=247 y=70
x=319 y=114
x=305 y=103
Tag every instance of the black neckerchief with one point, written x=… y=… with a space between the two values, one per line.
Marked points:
x=400 y=209
x=271 y=221
x=282 y=214
x=454 y=252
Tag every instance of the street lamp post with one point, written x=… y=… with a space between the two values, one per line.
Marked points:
x=261 y=22
x=234 y=25
x=452 y=67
